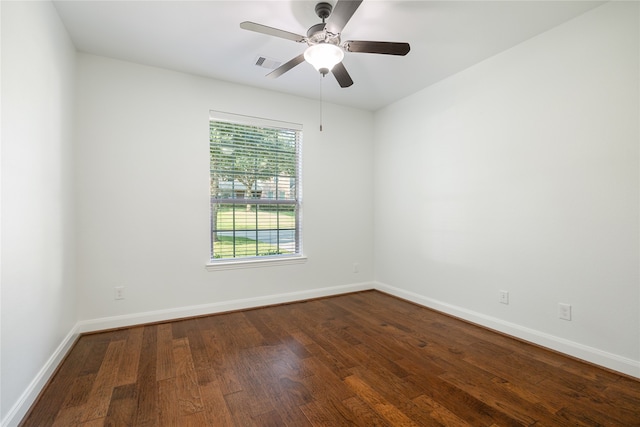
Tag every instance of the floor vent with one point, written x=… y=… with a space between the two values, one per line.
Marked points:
x=264 y=62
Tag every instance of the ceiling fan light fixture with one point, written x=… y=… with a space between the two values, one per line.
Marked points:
x=323 y=56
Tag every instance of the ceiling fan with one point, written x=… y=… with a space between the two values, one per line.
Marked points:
x=325 y=49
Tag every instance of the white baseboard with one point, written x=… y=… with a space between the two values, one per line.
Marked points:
x=590 y=354
x=103 y=323
x=29 y=396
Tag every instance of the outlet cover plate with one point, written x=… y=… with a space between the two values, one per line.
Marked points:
x=564 y=311
x=504 y=297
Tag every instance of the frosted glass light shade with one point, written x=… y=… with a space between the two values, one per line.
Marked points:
x=323 y=56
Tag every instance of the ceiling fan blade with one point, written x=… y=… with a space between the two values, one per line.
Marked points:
x=341 y=75
x=286 y=66
x=342 y=12
x=259 y=28
x=385 y=48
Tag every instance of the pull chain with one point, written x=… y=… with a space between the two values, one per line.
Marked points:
x=321 y=80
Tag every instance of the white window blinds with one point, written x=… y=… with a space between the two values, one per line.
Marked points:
x=255 y=187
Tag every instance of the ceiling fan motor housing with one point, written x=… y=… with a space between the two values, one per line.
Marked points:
x=315 y=30
x=317 y=33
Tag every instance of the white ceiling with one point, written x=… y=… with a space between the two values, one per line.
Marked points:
x=204 y=38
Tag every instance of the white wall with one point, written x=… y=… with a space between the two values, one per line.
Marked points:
x=143 y=207
x=38 y=286
x=522 y=174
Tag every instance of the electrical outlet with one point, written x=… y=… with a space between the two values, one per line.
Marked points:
x=504 y=297
x=118 y=292
x=564 y=311
x=356 y=267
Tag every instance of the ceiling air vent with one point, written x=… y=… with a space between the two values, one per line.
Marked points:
x=264 y=62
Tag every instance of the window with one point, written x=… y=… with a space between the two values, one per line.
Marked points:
x=255 y=188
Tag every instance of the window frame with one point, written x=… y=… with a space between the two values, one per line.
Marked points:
x=259 y=260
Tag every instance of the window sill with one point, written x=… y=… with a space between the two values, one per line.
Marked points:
x=254 y=263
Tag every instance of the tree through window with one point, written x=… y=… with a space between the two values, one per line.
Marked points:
x=255 y=187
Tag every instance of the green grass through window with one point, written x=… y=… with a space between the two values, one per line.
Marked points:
x=248 y=220
x=223 y=248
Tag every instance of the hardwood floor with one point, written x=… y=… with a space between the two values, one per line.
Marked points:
x=364 y=359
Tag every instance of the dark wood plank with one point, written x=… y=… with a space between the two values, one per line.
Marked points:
x=257 y=320
x=70 y=416
x=439 y=414
x=378 y=403
x=168 y=402
x=99 y=399
x=164 y=362
x=363 y=359
x=237 y=403
x=122 y=409
x=147 y=410
x=194 y=419
x=364 y=413
x=128 y=371
x=186 y=381
x=197 y=348
x=221 y=362
x=328 y=412
x=79 y=392
x=215 y=407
